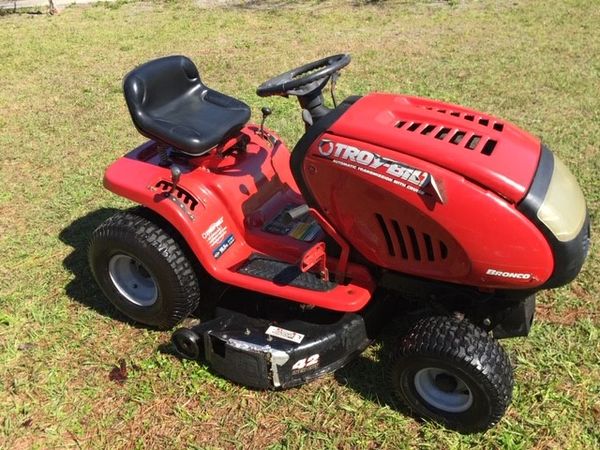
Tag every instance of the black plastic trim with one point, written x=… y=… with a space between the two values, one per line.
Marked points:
x=541 y=181
x=303 y=145
x=284 y=274
x=514 y=319
x=568 y=256
x=236 y=346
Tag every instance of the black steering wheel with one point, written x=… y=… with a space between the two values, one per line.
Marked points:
x=304 y=79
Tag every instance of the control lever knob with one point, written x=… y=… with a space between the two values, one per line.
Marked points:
x=266 y=112
x=175 y=176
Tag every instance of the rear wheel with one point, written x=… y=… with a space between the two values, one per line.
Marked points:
x=142 y=270
x=451 y=371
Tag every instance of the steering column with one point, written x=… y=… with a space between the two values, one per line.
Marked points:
x=306 y=82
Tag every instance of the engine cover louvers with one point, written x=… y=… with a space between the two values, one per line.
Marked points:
x=468 y=140
x=404 y=241
x=481 y=120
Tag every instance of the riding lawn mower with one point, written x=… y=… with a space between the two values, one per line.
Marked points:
x=390 y=209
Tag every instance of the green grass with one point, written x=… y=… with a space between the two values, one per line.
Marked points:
x=63 y=120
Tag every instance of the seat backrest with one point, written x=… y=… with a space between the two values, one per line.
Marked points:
x=156 y=83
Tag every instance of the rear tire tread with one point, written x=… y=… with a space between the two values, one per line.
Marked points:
x=130 y=224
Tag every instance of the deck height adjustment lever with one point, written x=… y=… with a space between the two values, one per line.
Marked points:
x=315 y=256
x=175 y=176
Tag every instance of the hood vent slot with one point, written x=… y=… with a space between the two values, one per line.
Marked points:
x=428 y=246
x=411 y=244
x=481 y=120
x=398 y=231
x=415 y=243
x=489 y=147
x=428 y=129
x=442 y=133
x=443 y=250
x=473 y=141
x=386 y=234
x=457 y=138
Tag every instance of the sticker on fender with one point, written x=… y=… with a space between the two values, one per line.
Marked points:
x=224 y=246
x=284 y=334
x=215 y=233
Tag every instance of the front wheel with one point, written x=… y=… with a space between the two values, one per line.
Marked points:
x=143 y=270
x=451 y=371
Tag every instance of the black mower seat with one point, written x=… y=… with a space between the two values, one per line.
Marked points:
x=169 y=103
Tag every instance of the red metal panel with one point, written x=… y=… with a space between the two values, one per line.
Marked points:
x=235 y=194
x=508 y=170
x=379 y=213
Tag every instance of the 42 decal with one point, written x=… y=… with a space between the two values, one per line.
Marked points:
x=306 y=363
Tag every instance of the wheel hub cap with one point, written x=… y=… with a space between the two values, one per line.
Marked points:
x=446 y=382
x=133 y=280
x=443 y=390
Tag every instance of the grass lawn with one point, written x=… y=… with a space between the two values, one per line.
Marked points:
x=63 y=120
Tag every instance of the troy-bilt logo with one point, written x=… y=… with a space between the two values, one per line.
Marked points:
x=383 y=167
x=517 y=275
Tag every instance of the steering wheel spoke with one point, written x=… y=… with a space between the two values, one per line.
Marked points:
x=305 y=79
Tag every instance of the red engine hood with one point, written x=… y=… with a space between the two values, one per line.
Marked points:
x=484 y=149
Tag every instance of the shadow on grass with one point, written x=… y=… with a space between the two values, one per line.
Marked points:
x=275 y=5
x=368 y=376
x=364 y=375
x=14 y=10
x=83 y=288
x=265 y=4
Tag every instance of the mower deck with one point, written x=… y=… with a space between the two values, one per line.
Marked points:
x=260 y=343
